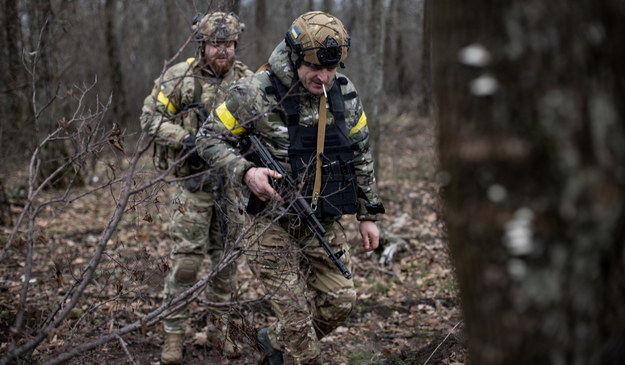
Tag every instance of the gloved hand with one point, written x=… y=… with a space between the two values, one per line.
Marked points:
x=193 y=159
x=188 y=143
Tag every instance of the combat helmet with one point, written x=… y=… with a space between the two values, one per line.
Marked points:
x=217 y=26
x=319 y=39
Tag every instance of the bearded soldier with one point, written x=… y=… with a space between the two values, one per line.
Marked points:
x=311 y=120
x=172 y=114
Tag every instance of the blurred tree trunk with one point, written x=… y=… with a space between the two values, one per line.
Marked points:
x=531 y=103
x=40 y=17
x=14 y=103
x=170 y=33
x=425 y=79
x=260 y=17
x=120 y=107
x=399 y=51
x=44 y=86
x=5 y=207
x=234 y=6
x=373 y=100
x=328 y=6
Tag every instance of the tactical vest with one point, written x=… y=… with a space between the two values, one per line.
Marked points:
x=338 y=185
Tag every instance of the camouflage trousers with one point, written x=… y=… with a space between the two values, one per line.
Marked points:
x=197 y=232
x=308 y=294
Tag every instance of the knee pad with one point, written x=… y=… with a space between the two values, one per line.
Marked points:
x=186 y=270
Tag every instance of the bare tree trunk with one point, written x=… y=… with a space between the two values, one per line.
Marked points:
x=328 y=6
x=396 y=50
x=260 y=17
x=120 y=108
x=169 y=8
x=234 y=6
x=425 y=79
x=377 y=25
x=5 y=206
x=14 y=104
x=41 y=16
x=530 y=106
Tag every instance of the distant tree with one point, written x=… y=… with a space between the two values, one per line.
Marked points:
x=234 y=5
x=328 y=6
x=261 y=27
x=425 y=76
x=120 y=108
x=531 y=108
x=374 y=95
x=13 y=103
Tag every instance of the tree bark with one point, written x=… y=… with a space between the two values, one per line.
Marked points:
x=425 y=76
x=234 y=6
x=120 y=108
x=260 y=17
x=12 y=81
x=328 y=6
x=377 y=28
x=530 y=105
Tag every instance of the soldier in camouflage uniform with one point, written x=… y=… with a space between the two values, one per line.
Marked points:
x=172 y=115
x=308 y=294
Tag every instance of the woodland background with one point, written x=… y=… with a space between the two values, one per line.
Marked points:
x=501 y=160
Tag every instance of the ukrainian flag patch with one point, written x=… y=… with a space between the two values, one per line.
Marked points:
x=295 y=31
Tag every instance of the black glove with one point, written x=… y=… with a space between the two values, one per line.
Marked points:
x=193 y=159
x=188 y=143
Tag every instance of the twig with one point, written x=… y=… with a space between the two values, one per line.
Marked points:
x=443 y=341
x=125 y=347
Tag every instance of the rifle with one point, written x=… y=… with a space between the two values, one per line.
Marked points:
x=254 y=151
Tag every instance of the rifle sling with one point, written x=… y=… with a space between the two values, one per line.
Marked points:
x=321 y=136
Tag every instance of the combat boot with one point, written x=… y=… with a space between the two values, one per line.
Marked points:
x=273 y=356
x=171 y=352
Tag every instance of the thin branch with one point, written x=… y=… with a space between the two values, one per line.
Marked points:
x=125 y=347
x=442 y=342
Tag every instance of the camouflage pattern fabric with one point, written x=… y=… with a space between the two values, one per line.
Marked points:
x=190 y=230
x=309 y=295
x=194 y=228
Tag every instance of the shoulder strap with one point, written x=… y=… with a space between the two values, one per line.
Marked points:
x=197 y=87
x=197 y=90
x=337 y=103
x=287 y=100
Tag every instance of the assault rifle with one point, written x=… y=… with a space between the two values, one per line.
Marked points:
x=254 y=150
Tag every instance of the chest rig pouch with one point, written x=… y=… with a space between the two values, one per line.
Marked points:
x=338 y=193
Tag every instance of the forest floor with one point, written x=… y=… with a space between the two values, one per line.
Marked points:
x=407 y=311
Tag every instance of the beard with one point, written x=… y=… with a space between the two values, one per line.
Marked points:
x=220 y=64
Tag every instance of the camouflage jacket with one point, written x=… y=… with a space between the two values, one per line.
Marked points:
x=248 y=108
x=165 y=113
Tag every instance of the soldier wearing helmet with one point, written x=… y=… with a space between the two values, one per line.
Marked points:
x=172 y=114
x=284 y=106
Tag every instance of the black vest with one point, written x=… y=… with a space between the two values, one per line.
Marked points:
x=338 y=185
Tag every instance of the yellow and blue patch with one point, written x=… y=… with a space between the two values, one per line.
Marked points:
x=295 y=31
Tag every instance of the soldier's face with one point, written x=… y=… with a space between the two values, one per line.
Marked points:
x=219 y=56
x=313 y=77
